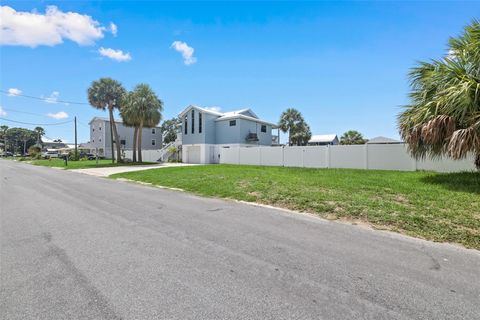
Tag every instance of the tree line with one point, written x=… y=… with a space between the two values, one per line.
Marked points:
x=19 y=140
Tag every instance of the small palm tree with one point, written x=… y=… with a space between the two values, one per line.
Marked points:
x=107 y=93
x=3 y=134
x=352 y=137
x=130 y=118
x=289 y=121
x=141 y=108
x=301 y=134
x=443 y=117
x=40 y=132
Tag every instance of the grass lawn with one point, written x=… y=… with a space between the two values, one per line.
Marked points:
x=434 y=206
x=82 y=164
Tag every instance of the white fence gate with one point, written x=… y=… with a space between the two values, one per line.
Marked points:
x=367 y=156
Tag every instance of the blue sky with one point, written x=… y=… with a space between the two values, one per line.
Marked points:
x=342 y=64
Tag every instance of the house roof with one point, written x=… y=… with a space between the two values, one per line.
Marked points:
x=241 y=116
x=190 y=107
x=383 y=140
x=103 y=119
x=246 y=114
x=322 y=138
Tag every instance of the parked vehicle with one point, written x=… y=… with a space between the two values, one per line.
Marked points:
x=6 y=154
x=50 y=154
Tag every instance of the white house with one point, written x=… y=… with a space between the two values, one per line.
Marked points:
x=323 y=140
x=205 y=131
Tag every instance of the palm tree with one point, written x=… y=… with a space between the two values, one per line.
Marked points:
x=289 y=120
x=149 y=107
x=130 y=118
x=40 y=133
x=107 y=93
x=301 y=134
x=141 y=108
x=444 y=115
x=352 y=137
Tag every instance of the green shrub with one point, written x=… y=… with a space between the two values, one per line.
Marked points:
x=33 y=151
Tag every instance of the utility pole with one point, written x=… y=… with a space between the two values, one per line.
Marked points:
x=76 y=151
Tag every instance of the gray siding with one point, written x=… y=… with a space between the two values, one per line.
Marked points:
x=247 y=126
x=100 y=136
x=208 y=129
x=226 y=134
x=195 y=137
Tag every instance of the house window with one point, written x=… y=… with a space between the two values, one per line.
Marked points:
x=233 y=123
x=99 y=128
x=153 y=130
x=154 y=142
x=185 y=125
x=123 y=142
x=263 y=128
x=100 y=140
x=93 y=140
x=199 y=122
x=193 y=121
x=93 y=129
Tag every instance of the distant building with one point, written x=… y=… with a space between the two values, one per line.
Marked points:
x=383 y=140
x=53 y=145
x=100 y=137
x=323 y=140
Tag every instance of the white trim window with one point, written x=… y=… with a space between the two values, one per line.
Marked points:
x=153 y=130
x=154 y=142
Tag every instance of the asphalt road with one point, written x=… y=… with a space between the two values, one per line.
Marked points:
x=80 y=247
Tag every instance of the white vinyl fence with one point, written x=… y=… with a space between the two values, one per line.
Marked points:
x=147 y=155
x=367 y=156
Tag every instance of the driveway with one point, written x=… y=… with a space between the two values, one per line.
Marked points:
x=106 y=171
x=78 y=247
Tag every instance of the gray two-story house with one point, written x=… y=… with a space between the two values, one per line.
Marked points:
x=205 y=131
x=100 y=137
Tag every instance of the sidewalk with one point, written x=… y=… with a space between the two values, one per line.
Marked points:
x=105 y=172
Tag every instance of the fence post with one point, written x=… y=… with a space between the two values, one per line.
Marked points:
x=283 y=156
x=303 y=157
x=327 y=156
x=366 y=156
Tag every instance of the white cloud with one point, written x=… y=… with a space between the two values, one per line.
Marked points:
x=59 y=115
x=451 y=54
x=113 y=29
x=186 y=51
x=216 y=109
x=22 y=28
x=53 y=97
x=2 y=112
x=14 y=92
x=117 y=55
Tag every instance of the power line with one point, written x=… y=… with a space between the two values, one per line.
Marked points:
x=25 y=112
x=42 y=99
x=38 y=124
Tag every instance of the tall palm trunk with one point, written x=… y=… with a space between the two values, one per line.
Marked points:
x=135 y=133
x=114 y=134
x=140 y=127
